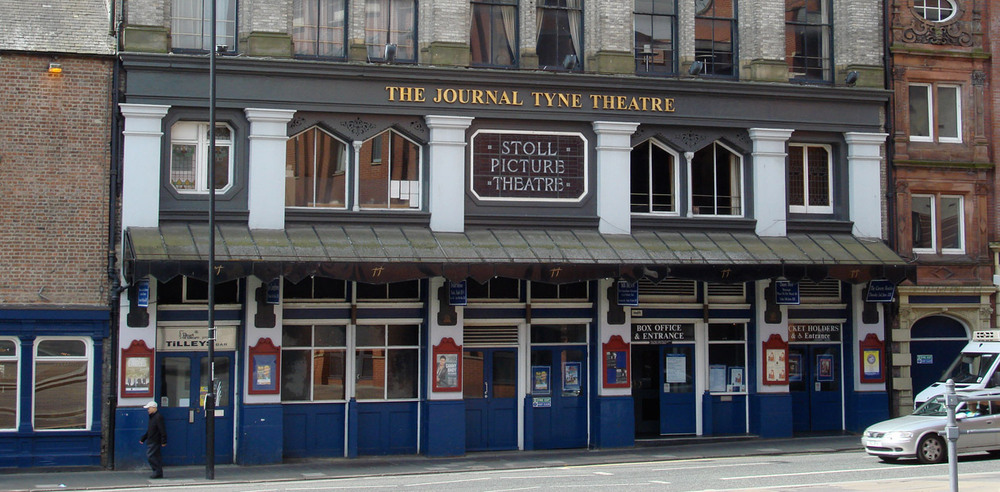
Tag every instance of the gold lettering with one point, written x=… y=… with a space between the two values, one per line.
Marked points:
x=491 y=97
x=548 y=98
x=477 y=97
x=563 y=99
x=620 y=102
x=633 y=105
x=593 y=100
x=656 y=105
x=392 y=92
x=515 y=101
x=577 y=103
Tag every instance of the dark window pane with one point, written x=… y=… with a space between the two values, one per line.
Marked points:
x=60 y=395
x=8 y=393
x=62 y=348
x=295 y=375
x=403 y=335
x=402 y=373
x=558 y=334
x=370 y=336
x=370 y=380
x=328 y=375
x=296 y=336
x=330 y=336
x=923 y=222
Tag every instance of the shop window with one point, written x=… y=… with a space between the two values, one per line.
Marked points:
x=810 y=186
x=191 y=25
x=189 y=142
x=824 y=291
x=667 y=290
x=808 y=40
x=493 y=39
x=315 y=176
x=315 y=288
x=391 y=22
x=396 y=291
x=935 y=113
x=654 y=179
x=9 y=378
x=544 y=291
x=716 y=181
x=935 y=10
x=727 y=356
x=389 y=172
x=313 y=362
x=655 y=24
x=558 y=334
x=62 y=385
x=560 y=34
x=187 y=290
x=318 y=28
x=386 y=362
x=938 y=224
x=496 y=288
x=715 y=36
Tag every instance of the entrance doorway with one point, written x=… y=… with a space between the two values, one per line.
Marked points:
x=935 y=342
x=183 y=384
x=489 y=386
x=815 y=385
x=663 y=389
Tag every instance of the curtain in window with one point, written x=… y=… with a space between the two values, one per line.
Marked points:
x=509 y=15
x=376 y=23
x=574 y=24
x=402 y=31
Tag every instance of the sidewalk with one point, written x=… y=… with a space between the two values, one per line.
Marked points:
x=665 y=450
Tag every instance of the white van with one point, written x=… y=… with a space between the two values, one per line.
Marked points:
x=975 y=368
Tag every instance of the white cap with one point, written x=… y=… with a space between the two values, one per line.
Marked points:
x=151 y=404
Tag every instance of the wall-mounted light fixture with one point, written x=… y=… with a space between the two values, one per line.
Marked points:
x=569 y=63
x=55 y=67
x=390 y=53
x=852 y=78
x=696 y=67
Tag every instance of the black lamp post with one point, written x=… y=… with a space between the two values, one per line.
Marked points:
x=210 y=396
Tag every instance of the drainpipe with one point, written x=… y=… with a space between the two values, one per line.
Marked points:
x=890 y=127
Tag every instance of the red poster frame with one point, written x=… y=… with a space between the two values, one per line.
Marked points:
x=137 y=350
x=869 y=344
x=777 y=348
x=447 y=349
x=264 y=347
x=614 y=346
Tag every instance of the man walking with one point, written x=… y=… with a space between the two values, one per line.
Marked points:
x=154 y=438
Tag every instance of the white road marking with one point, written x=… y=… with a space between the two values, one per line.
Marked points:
x=776 y=475
x=422 y=484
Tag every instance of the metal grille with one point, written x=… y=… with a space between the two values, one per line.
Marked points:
x=825 y=290
x=489 y=336
x=726 y=291
x=673 y=288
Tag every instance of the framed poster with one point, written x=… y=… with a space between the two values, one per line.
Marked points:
x=824 y=367
x=775 y=360
x=137 y=371
x=675 y=368
x=872 y=359
x=736 y=382
x=616 y=363
x=795 y=367
x=540 y=380
x=717 y=378
x=571 y=376
x=447 y=365
x=265 y=367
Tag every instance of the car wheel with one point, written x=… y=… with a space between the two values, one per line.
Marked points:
x=931 y=449
x=888 y=459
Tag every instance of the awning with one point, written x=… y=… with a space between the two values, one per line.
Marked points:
x=379 y=254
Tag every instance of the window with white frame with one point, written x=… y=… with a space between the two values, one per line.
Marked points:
x=654 y=179
x=315 y=176
x=810 y=183
x=938 y=223
x=935 y=10
x=716 y=181
x=559 y=41
x=318 y=28
x=386 y=362
x=191 y=24
x=493 y=39
x=313 y=362
x=654 y=42
x=9 y=378
x=727 y=356
x=935 y=113
x=62 y=383
x=808 y=32
x=389 y=172
x=189 y=147
x=391 y=22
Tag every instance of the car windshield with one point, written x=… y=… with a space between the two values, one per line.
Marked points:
x=934 y=407
x=969 y=368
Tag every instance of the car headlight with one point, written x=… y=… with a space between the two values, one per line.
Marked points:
x=898 y=436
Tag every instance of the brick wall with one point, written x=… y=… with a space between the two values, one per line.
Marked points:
x=54 y=158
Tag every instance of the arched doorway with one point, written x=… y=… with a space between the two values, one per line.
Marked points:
x=935 y=342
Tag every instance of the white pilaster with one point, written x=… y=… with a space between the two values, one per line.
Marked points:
x=614 y=147
x=437 y=333
x=141 y=164
x=605 y=331
x=770 y=203
x=864 y=158
x=764 y=332
x=254 y=335
x=447 y=171
x=266 y=184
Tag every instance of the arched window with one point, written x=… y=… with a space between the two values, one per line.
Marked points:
x=654 y=179
x=716 y=181
x=389 y=172
x=315 y=170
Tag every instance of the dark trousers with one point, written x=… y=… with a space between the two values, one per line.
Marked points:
x=155 y=457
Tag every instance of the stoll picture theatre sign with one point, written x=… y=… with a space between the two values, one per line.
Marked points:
x=529 y=166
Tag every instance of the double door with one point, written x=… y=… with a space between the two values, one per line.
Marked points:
x=663 y=389
x=183 y=382
x=489 y=387
x=814 y=376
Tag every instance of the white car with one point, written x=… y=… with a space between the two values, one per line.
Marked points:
x=917 y=435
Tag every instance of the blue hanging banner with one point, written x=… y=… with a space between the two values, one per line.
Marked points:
x=458 y=293
x=142 y=291
x=881 y=291
x=628 y=293
x=274 y=292
x=786 y=293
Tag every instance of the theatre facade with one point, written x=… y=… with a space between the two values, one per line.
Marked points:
x=431 y=260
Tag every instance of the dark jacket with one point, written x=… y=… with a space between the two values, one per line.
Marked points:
x=157 y=431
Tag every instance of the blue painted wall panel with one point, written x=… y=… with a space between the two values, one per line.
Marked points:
x=386 y=428
x=771 y=414
x=615 y=422
x=865 y=408
x=445 y=428
x=130 y=425
x=260 y=427
x=313 y=430
x=724 y=417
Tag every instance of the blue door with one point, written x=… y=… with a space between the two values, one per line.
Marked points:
x=678 y=409
x=562 y=424
x=183 y=383
x=815 y=386
x=489 y=386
